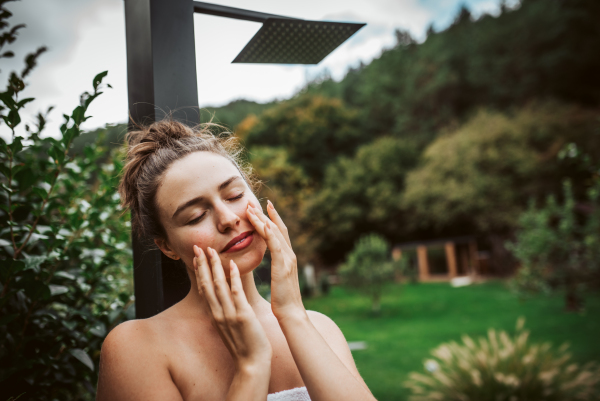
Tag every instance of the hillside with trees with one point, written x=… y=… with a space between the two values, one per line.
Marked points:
x=451 y=136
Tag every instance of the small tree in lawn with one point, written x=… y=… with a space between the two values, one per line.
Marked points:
x=369 y=267
x=558 y=244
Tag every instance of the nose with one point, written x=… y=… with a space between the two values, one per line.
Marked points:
x=226 y=218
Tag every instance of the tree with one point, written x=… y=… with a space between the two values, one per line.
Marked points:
x=314 y=130
x=369 y=268
x=479 y=177
x=485 y=171
x=362 y=194
x=540 y=50
x=558 y=245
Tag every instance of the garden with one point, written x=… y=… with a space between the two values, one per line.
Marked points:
x=497 y=139
x=416 y=319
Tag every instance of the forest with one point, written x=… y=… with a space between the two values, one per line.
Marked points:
x=452 y=136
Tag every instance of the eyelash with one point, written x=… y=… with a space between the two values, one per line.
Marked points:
x=197 y=219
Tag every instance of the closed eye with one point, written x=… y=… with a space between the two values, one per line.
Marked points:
x=236 y=197
x=197 y=219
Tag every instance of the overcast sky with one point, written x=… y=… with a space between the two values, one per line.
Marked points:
x=85 y=37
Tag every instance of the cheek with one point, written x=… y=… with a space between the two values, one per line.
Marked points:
x=200 y=237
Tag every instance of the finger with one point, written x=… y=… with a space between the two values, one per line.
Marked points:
x=283 y=239
x=259 y=213
x=204 y=280
x=283 y=244
x=274 y=244
x=275 y=218
x=255 y=221
x=237 y=290
x=220 y=282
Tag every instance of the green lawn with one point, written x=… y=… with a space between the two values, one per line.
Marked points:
x=416 y=318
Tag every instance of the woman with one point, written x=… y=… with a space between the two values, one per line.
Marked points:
x=223 y=341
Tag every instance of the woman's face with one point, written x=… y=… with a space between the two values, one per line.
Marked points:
x=202 y=201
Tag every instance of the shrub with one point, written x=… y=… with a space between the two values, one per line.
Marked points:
x=504 y=368
x=369 y=268
x=64 y=249
x=558 y=246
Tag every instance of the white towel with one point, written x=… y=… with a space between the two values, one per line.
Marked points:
x=295 y=394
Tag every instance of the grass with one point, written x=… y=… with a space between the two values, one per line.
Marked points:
x=416 y=318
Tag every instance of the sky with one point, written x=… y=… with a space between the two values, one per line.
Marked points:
x=85 y=37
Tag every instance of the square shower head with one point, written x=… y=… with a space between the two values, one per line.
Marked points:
x=292 y=41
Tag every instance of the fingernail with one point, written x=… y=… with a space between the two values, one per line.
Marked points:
x=270 y=204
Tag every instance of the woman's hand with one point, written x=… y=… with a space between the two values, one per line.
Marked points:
x=327 y=375
x=237 y=324
x=286 y=300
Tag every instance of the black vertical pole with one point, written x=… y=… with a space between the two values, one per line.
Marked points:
x=161 y=75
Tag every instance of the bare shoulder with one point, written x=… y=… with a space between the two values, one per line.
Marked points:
x=326 y=326
x=130 y=366
x=332 y=334
x=128 y=337
x=335 y=339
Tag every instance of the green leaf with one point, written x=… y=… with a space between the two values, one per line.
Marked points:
x=78 y=115
x=17 y=168
x=57 y=154
x=69 y=325
x=99 y=330
x=7 y=99
x=98 y=79
x=58 y=289
x=82 y=357
x=66 y=275
x=13 y=119
x=41 y=192
x=34 y=262
x=26 y=177
x=16 y=146
x=25 y=101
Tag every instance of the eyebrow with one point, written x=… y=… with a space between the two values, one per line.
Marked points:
x=199 y=199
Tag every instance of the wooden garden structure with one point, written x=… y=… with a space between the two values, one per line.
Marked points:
x=441 y=259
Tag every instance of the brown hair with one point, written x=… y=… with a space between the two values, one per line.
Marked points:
x=151 y=150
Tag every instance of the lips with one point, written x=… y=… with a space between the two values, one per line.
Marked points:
x=239 y=240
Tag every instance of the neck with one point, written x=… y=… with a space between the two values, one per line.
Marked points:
x=195 y=302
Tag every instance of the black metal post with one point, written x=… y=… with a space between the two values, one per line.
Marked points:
x=161 y=75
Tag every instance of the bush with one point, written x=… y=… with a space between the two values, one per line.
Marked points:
x=64 y=250
x=504 y=368
x=369 y=268
x=558 y=246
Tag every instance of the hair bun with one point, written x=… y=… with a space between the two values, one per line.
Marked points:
x=163 y=134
